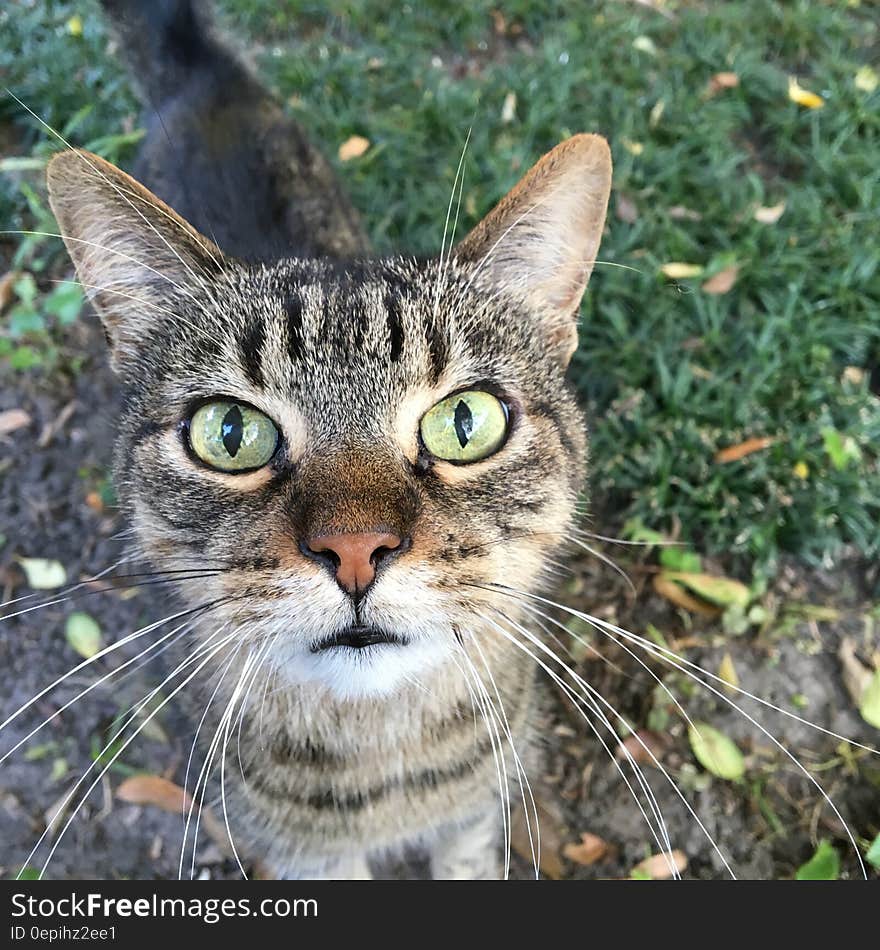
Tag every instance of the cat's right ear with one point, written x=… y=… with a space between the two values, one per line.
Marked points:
x=137 y=260
x=540 y=241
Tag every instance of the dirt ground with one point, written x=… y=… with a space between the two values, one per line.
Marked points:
x=766 y=825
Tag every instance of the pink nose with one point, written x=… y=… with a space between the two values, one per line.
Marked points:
x=353 y=558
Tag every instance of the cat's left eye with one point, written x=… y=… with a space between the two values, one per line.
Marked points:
x=466 y=427
x=232 y=436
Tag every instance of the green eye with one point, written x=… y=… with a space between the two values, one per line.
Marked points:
x=465 y=427
x=232 y=436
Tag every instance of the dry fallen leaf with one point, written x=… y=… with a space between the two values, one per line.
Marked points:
x=43 y=573
x=658 y=868
x=508 y=110
x=720 y=591
x=626 y=209
x=681 y=598
x=803 y=97
x=678 y=270
x=680 y=213
x=721 y=282
x=656 y=113
x=727 y=672
x=719 y=82
x=866 y=79
x=353 y=147
x=644 y=44
x=733 y=453
x=7 y=282
x=856 y=675
x=769 y=215
x=641 y=745
x=95 y=502
x=591 y=849
x=552 y=837
x=13 y=419
x=154 y=790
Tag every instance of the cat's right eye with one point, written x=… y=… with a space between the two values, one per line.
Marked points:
x=465 y=427
x=232 y=436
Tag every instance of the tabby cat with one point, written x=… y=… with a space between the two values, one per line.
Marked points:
x=354 y=458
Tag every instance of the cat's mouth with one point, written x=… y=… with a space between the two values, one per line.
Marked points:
x=358 y=637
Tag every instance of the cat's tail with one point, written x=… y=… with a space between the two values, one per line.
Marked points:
x=166 y=44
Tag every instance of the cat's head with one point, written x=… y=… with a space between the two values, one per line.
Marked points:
x=362 y=450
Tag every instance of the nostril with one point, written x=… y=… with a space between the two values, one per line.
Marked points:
x=326 y=556
x=391 y=548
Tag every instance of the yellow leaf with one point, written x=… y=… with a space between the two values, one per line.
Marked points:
x=866 y=79
x=634 y=148
x=803 y=97
x=801 y=470
x=43 y=574
x=771 y=214
x=721 y=591
x=727 y=672
x=679 y=271
x=353 y=147
x=681 y=598
x=508 y=110
x=657 y=113
x=75 y=25
x=722 y=282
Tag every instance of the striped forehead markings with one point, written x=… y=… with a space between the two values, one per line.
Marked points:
x=250 y=347
x=293 y=309
x=395 y=325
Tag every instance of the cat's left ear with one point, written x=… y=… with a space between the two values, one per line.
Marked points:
x=540 y=241
x=139 y=262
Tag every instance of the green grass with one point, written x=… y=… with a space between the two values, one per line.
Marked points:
x=671 y=373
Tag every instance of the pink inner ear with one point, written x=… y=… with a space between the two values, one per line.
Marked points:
x=566 y=287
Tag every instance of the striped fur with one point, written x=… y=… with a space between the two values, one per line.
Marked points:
x=347 y=756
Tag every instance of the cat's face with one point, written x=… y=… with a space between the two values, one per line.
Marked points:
x=358 y=548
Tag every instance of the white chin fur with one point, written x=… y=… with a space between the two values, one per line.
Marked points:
x=350 y=673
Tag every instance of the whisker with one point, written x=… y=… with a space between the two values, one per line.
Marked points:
x=522 y=777
x=102 y=653
x=639 y=544
x=498 y=758
x=210 y=654
x=109 y=250
x=458 y=172
x=607 y=560
x=89 y=689
x=676 y=662
x=104 y=590
x=663 y=845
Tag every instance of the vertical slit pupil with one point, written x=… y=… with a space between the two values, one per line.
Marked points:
x=232 y=430
x=464 y=423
